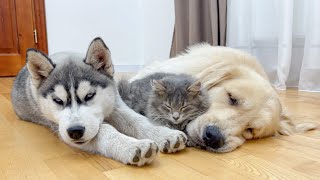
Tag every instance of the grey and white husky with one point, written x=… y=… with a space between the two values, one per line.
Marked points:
x=76 y=96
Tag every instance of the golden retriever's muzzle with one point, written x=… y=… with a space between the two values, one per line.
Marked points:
x=213 y=137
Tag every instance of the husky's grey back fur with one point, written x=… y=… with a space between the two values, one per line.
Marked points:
x=143 y=98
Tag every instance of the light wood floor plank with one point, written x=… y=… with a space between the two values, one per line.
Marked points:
x=284 y=157
x=73 y=167
x=265 y=170
x=211 y=164
x=164 y=168
x=21 y=163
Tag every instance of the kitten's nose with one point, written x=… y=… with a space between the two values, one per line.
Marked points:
x=175 y=115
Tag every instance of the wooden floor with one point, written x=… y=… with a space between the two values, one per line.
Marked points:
x=29 y=151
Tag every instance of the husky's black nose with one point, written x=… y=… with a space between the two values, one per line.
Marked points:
x=212 y=137
x=76 y=132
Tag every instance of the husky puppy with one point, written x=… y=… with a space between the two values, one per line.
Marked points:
x=76 y=96
x=172 y=100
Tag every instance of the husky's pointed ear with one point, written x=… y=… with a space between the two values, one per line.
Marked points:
x=158 y=87
x=194 y=88
x=39 y=66
x=99 y=57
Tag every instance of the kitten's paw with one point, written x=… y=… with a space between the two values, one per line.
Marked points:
x=142 y=152
x=172 y=141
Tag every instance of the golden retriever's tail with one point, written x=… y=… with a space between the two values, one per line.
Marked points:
x=287 y=127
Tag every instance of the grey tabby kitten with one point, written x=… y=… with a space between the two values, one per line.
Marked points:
x=166 y=99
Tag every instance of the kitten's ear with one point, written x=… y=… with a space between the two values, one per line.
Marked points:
x=39 y=66
x=158 y=87
x=194 y=88
x=99 y=57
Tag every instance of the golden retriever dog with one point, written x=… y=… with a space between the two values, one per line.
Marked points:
x=244 y=104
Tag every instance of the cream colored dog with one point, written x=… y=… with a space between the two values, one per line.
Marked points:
x=244 y=105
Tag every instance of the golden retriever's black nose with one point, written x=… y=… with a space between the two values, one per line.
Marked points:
x=212 y=137
x=76 y=132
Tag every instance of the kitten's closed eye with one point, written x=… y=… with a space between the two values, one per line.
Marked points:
x=184 y=107
x=168 y=106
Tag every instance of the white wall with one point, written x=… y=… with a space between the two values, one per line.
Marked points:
x=158 y=29
x=136 y=31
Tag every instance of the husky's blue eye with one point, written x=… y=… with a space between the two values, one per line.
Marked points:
x=57 y=100
x=89 y=96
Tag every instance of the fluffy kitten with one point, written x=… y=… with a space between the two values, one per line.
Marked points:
x=172 y=100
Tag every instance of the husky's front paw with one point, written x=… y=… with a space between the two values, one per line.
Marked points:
x=171 y=141
x=142 y=152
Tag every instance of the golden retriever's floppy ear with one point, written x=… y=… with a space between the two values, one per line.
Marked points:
x=215 y=74
x=99 y=57
x=287 y=127
x=39 y=65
